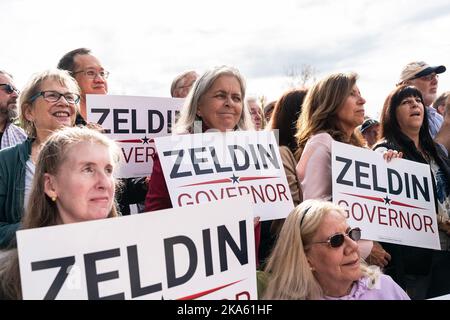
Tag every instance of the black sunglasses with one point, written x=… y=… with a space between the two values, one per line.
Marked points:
x=9 y=88
x=337 y=240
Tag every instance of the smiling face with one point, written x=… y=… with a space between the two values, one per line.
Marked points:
x=89 y=85
x=334 y=268
x=410 y=114
x=351 y=113
x=221 y=106
x=50 y=116
x=84 y=184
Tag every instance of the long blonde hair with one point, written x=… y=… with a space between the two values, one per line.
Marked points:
x=41 y=210
x=290 y=276
x=320 y=108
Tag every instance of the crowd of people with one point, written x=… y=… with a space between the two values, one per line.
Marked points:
x=56 y=168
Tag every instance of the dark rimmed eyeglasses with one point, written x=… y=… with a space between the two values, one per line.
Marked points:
x=9 y=88
x=54 y=96
x=92 y=74
x=337 y=240
x=428 y=77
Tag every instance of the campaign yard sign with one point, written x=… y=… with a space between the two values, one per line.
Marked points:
x=201 y=252
x=390 y=201
x=212 y=166
x=133 y=122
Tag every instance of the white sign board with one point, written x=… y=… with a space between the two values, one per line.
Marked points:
x=201 y=252
x=391 y=201
x=133 y=122
x=212 y=166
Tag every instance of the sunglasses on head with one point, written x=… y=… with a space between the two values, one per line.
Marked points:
x=337 y=240
x=9 y=88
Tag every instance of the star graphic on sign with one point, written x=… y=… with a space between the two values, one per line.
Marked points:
x=234 y=179
x=145 y=140
x=387 y=200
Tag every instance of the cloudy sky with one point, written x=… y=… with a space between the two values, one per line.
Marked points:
x=145 y=44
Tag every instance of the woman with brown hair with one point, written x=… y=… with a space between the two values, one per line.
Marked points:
x=332 y=110
x=423 y=273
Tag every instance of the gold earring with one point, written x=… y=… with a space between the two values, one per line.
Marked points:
x=54 y=198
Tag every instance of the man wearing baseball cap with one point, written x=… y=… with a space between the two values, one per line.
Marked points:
x=425 y=78
x=370 y=131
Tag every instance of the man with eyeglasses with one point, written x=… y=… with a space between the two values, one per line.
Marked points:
x=425 y=78
x=92 y=79
x=10 y=134
x=88 y=72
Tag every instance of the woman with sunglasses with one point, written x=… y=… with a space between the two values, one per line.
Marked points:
x=317 y=257
x=48 y=102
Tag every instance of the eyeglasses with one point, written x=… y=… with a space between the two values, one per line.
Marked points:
x=337 y=240
x=9 y=88
x=92 y=74
x=53 y=96
x=429 y=77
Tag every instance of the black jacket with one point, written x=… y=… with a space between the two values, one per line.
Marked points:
x=408 y=260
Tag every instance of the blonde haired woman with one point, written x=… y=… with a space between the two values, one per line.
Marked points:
x=74 y=182
x=317 y=257
x=48 y=102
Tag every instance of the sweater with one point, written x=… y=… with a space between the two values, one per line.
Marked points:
x=12 y=189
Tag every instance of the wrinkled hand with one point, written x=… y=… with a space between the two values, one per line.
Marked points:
x=378 y=256
x=390 y=154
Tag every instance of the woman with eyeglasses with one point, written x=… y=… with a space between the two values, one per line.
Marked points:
x=316 y=257
x=423 y=273
x=48 y=102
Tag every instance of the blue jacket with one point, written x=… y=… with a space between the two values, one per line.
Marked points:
x=12 y=189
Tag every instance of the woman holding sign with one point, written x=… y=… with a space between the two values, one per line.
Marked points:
x=332 y=110
x=215 y=103
x=317 y=257
x=74 y=182
x=423 y=273
x=48 y=102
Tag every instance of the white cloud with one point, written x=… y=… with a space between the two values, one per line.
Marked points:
x=145 y=44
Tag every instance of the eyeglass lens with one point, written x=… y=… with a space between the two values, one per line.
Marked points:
x=54 y=96
x=338 y=239
x=9 y=89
